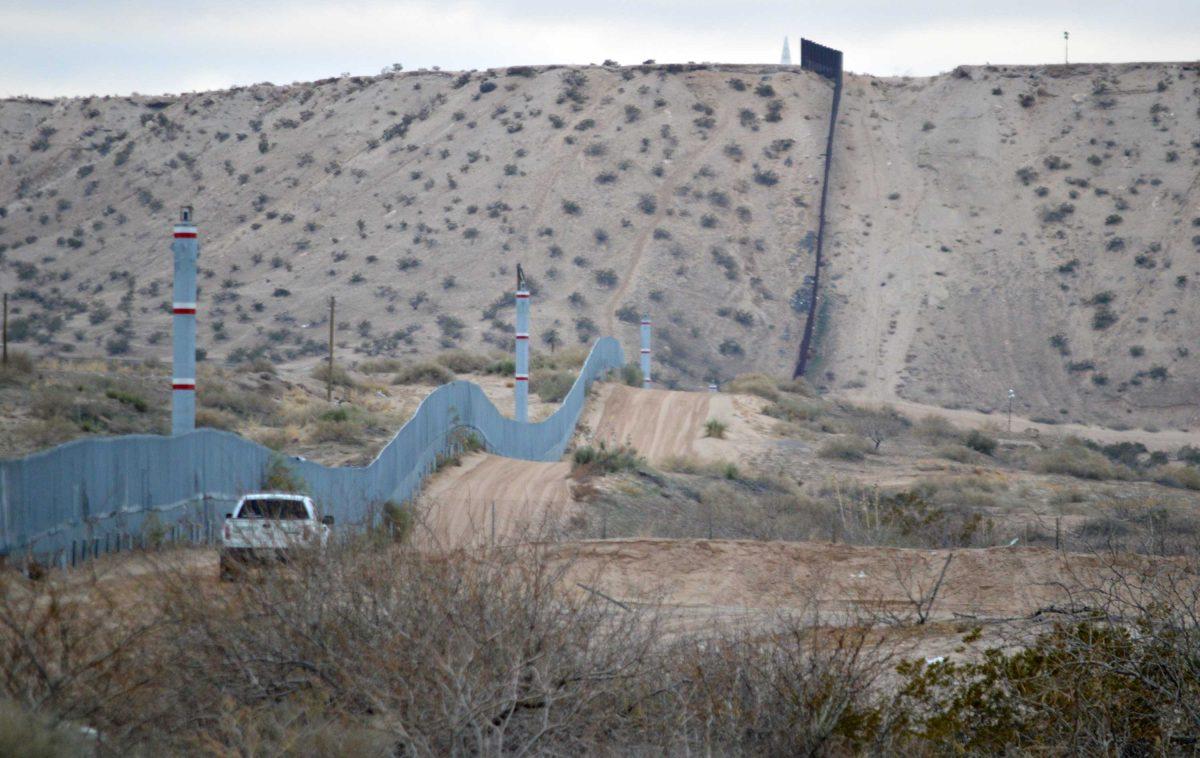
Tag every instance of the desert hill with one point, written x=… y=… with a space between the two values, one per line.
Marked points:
x=1032 y=228
x=994 y=227
x=684 y=192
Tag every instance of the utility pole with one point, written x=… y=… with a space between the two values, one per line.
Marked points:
x=1011 y=395
x=5 y=329
x=1066 y=42
x=329 y=376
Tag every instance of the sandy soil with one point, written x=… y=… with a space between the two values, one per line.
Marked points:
x=491 y=497
x=741 y=574
x=659 y=424
x=948 y=275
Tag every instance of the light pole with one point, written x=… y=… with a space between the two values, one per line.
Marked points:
x=1011 y=396
x=1066 y=43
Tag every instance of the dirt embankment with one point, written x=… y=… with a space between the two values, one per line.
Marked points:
x=489 y=494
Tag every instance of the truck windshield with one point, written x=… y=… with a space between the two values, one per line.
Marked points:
x=273 y=508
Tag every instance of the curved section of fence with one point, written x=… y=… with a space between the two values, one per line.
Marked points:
x=85 y=495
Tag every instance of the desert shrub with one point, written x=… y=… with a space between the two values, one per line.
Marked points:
x=1073 y=459
x=957 y=453
x=275 y=439
x=18 y=370
x=551 y=386
x=342 y=424
x=876 y=425
x=731 y=348
x=602 y=459
x=715 y=428
x=754 y=384
x=227 y=396
x=279 y=477
x=936 y=429
x=463 y=362
x=794 y=410
x=980 y=442
x=765 y=177
x=846 y=448
x=631 y=374
x=1103 y=317
x=561 y=360
x=1122 y=682
x=502 y=366
x=798 y=386
x=341 y=378
x=1188 y=454
x=215 y=418
x=398 y=521
x=381 y=366
x=1184 y=477
x=427 y=372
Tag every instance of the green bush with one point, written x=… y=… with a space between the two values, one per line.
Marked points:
x=794 y=410
x=1074 y=459
x=753 y=384
x=320 y=372
x=631 y=374
x=503 y=367
x=423 y=373
x=846 y=448
x=279 y=477
x=463 y=362
x=137 y=402
x=553 y=386
x=980 y=442
x=398 y=521
x=715 y=428
x=1184 y=477
x=381 y=366
x=606 y=460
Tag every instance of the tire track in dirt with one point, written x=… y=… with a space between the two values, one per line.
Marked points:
x=659 y=424
x=489 y=495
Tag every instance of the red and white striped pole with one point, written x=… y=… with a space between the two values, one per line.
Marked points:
x=645 y=355
x=186 y=247
x=521 y=376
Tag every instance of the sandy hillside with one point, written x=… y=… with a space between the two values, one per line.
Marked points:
x=993 y=227
x=1032 y=228
x=412 y=197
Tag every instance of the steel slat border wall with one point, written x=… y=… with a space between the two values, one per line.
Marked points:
x=828 y=63
x=92 y=487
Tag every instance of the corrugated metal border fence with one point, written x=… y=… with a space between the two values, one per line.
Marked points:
x=96 y=495
x=828 y=63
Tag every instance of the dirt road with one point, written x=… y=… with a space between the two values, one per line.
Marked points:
x=489 y=496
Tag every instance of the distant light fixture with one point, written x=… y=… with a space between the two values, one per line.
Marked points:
x=1066 y=42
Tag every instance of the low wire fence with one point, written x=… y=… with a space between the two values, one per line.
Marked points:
x=99 y=492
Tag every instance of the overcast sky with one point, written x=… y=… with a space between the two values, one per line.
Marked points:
x=78 y=47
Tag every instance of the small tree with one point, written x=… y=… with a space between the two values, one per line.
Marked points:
x=551 y=338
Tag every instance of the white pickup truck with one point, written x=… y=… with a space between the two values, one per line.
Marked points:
x=265 y=525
